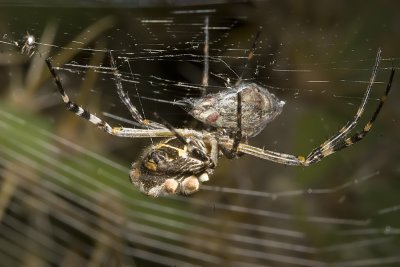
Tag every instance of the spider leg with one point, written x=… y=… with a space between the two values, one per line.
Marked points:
x=214 y=150
x=333 y=144
x=338 y=144
x=238 y=135
x=317 y=152
x=280 y=158
x=74 y=108
x=127 y=101
x=339 y=140
x=117 y=131
x=237 y=138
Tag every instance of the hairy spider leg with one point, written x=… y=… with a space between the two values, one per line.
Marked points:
x=127 y=101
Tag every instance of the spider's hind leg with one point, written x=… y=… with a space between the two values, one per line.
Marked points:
x=328 y=148
x=237 y=138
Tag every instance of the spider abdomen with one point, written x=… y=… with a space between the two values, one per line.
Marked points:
x=219 y=110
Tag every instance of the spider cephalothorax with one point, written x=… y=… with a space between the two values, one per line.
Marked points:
x=259 y=107
x=173 y=167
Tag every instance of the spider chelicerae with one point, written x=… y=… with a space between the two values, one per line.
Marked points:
x=180 y=163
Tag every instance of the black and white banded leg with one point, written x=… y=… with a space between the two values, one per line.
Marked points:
x=103 y=125
x=74 y=108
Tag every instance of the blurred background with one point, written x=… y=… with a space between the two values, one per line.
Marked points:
x=65 y=197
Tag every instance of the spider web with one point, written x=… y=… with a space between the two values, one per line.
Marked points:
x=65 y=198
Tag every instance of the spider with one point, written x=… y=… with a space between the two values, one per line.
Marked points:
x=187 y=158
x=29 y=45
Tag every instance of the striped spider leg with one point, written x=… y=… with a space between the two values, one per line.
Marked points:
x=127 y=101
x=339 y=140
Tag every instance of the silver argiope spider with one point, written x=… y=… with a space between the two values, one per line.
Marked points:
x=179 y=164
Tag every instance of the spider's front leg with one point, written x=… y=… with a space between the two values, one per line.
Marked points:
x=74 y=108
x=101 y=124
